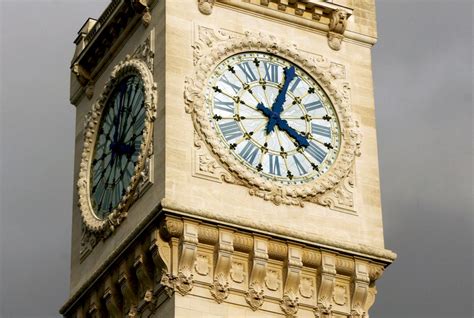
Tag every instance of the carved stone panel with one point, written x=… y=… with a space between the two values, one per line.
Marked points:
x=213 y=162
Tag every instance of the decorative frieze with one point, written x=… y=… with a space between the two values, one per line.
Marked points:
x=191 y=257
x=326 y=16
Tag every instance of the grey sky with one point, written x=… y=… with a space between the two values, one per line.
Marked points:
x=423 y=79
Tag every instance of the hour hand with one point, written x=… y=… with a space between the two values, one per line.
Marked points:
x=272 y=117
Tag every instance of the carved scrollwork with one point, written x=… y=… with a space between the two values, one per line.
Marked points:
x=93 y=119
x=208 y=54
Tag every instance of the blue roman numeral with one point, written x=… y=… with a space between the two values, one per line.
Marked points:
x=230 y=130
x=295 y=84
x=299 y=166
x=249 y=153
x=313 y=105
x=320 y=130
x=271 y=72
x=247 y=69
x=316 y=152
x=274 y=164
x=235 y=87
x=227 y=106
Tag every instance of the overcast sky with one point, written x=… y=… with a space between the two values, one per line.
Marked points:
x=423 y=81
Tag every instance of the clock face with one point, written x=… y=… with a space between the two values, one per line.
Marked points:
x=117 y=146
x=273 y=117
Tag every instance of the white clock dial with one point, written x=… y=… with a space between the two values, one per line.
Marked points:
x=273 y=117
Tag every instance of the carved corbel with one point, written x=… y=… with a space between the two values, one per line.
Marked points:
x=144 y=272
x=360 y=289
x=258 y=265
x=187 y=258
x=206 y=6
x=111 y=298
x=141 y=7
x=327 y=280
x=337 y=26
x=128 y=288
x=161 y=255
x=95 y=309
x=222 y=265
x=84 y=78
x=294 y=264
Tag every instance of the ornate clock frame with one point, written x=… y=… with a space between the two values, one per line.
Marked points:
x=216 y=47
x=93 y=119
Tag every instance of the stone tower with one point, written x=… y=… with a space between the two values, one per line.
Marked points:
x=226 y=160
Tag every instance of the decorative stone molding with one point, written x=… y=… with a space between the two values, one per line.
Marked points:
x=289 y=304
x=360 y=289
x=188 y=250
x=146 y=51
x=144 y=273
x=255 y=294
x=337 y=26
x=170 y=256
x=243 y=243
x=141 y=7
x=297 y=11
x=205 y=166
x=128 y=287
x=111 y=297
x=206 y=6
x=222 y=265
x=306 y=287
x=93 y=52
x=327 y=281
x=209 y=53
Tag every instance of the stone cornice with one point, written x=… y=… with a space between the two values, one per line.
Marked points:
x=98 y=40
x=142 y=272
x=378 y=254
x=320 y=16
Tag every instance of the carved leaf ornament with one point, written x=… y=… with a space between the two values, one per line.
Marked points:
x=209 y=54
x=130 y=66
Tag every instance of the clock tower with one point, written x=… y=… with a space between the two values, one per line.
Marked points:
x=226 y=161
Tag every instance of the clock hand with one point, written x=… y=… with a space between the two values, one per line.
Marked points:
x=300 y=139
x=267 y=112
x=119 y=112
x=277 y=106
x=272 y=117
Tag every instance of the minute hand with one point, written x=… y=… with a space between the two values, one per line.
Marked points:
x=277 y=106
